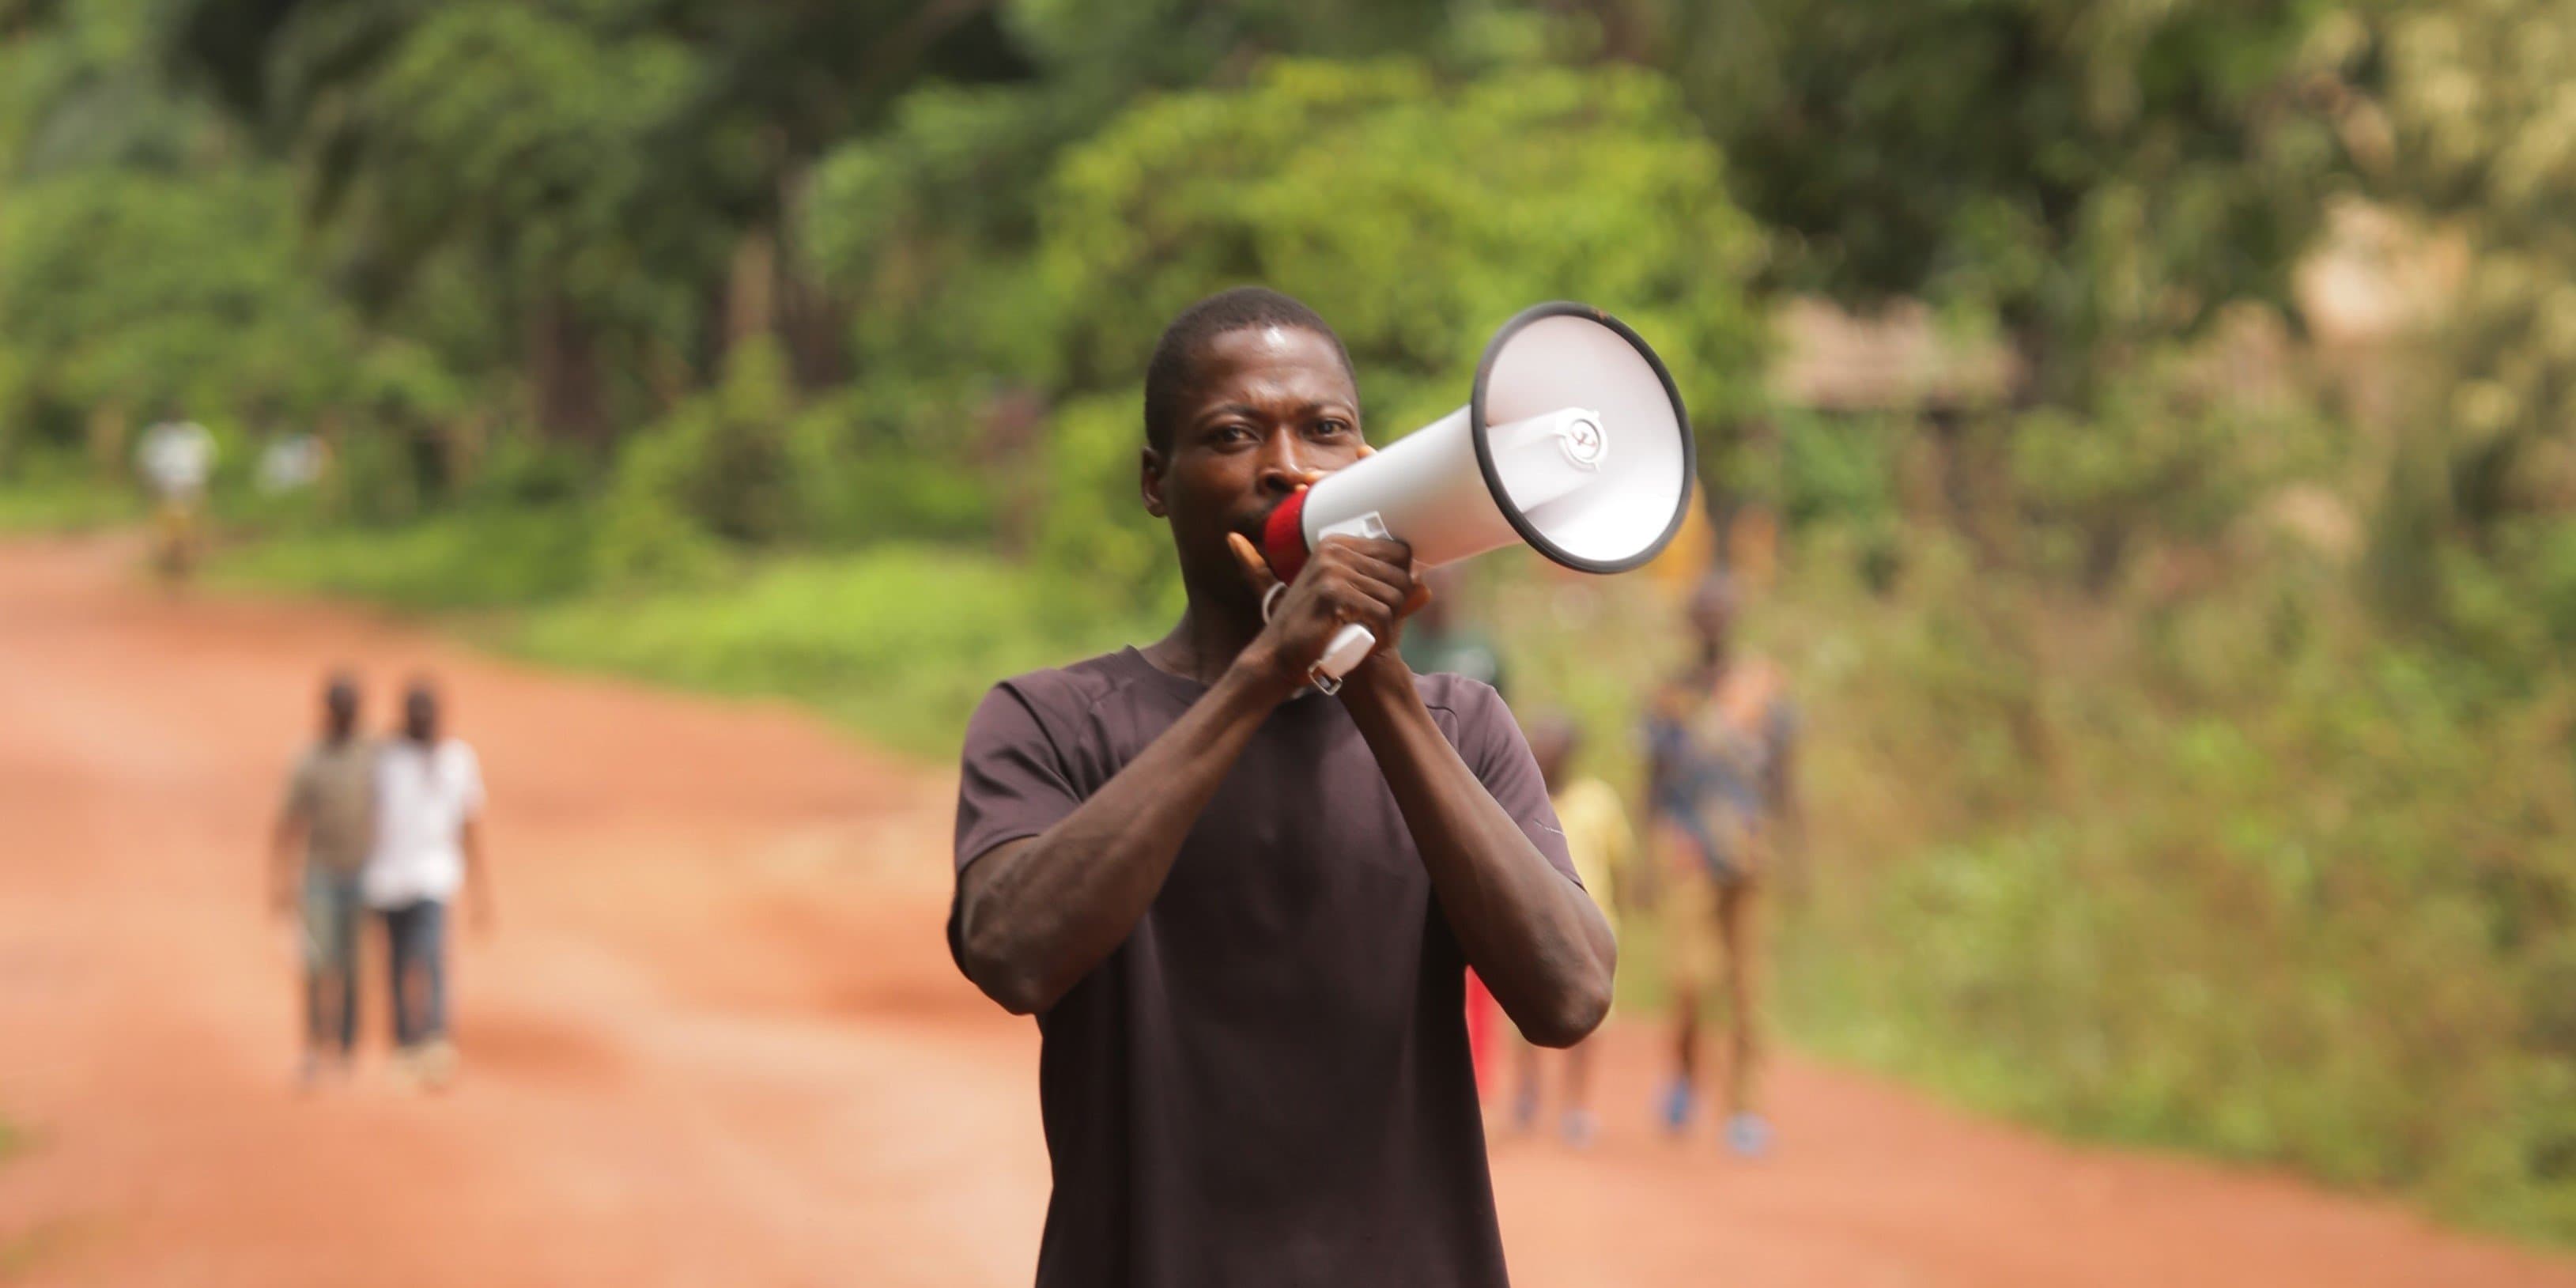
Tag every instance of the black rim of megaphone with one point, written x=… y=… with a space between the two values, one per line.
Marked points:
x=1494 y=479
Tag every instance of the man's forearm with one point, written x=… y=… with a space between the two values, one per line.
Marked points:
x=1036 y=917
x=1536 y=940
x=478 y=869
x=282 y=846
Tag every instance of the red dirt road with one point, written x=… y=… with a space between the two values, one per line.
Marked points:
x=715 y=1038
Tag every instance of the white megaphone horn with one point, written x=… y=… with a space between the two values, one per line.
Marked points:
x=1573 y=440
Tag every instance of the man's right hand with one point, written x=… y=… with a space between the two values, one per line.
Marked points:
x=1349 y=580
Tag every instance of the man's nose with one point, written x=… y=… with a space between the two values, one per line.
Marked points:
x=1283 y=466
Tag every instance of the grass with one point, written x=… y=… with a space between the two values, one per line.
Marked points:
x=28 y=507
x=899 y=642
x=477 y=559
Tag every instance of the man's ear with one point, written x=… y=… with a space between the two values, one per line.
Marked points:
x=1149 y=482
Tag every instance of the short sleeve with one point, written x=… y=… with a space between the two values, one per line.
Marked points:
x=469 y=782
x=300 y=788
x=1011 y=780
x=1491 y=743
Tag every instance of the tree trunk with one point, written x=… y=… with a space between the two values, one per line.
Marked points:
x=563 y=367
x=751 y=289
x=107 y=437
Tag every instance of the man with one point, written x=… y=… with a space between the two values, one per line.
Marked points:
x=429 y=846
x=322 y=838
x=1720 y=747
x=1598 y=837
x=177 y=458
x=1242 y=910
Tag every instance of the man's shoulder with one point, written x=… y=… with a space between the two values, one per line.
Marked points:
x=1463 y=696
x=1072 y=689
x=322 y=754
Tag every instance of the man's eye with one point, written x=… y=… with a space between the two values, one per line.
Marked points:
x=1332 y=425
x=1234 y=433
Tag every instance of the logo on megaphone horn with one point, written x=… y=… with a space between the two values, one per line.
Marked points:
x=1573 y=440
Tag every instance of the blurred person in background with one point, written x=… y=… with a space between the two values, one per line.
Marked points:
x=292 y=463
x=1721 y=791
x=1242 y=909
x=323 y=836
x=428 y=849
x=176 y=458
x=1603 y=846
x=1438 y=642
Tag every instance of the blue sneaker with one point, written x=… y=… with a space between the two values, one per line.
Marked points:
x=1580 y=1128
x=1677 y=1107
x=1748 y=1135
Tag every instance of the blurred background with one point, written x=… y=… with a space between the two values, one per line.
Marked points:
x=2145 y=429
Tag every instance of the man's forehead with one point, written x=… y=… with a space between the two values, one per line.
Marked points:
x=1272 y=359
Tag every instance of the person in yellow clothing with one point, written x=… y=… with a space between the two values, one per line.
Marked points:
x=1721 y=742
x=1599 y=840
x=177 y=458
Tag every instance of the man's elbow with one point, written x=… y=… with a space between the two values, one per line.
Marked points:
x=1017 y=991
x=994 y=965
x=1575 y=1014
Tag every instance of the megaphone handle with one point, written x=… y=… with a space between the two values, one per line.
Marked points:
x=1350 y=646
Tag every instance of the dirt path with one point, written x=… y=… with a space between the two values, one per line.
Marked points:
x=716 y=1039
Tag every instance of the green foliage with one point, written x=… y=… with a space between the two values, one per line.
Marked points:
x=51 y=492
x=1416 y=215
x=153 y=292
x=721 y=459
x=2089 y=173
x=900 y=642
x=2271 y=893
x=1095 y=529
x=869 y=468
x=2480 y=143
x=474 y=559
x=2172 y=454
x=507 y=126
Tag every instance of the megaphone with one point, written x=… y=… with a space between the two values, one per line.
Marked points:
x=1573 y=440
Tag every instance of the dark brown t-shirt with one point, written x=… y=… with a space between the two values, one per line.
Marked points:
x=1268 y=1082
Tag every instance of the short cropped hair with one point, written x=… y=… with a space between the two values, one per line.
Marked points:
x=1174 y=370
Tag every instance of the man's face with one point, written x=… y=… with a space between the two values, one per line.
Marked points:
x=339 y=710
x=1271 y=407
x=420 y=715
x=1712 y=619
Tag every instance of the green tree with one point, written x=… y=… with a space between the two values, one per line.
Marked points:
x=1416 y=213
x=612 y=172
x=2484 y=148
x=2094 y=176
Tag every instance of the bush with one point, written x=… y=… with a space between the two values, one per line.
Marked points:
x=900 y=641
x=461 y=559
x=2173 y=874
